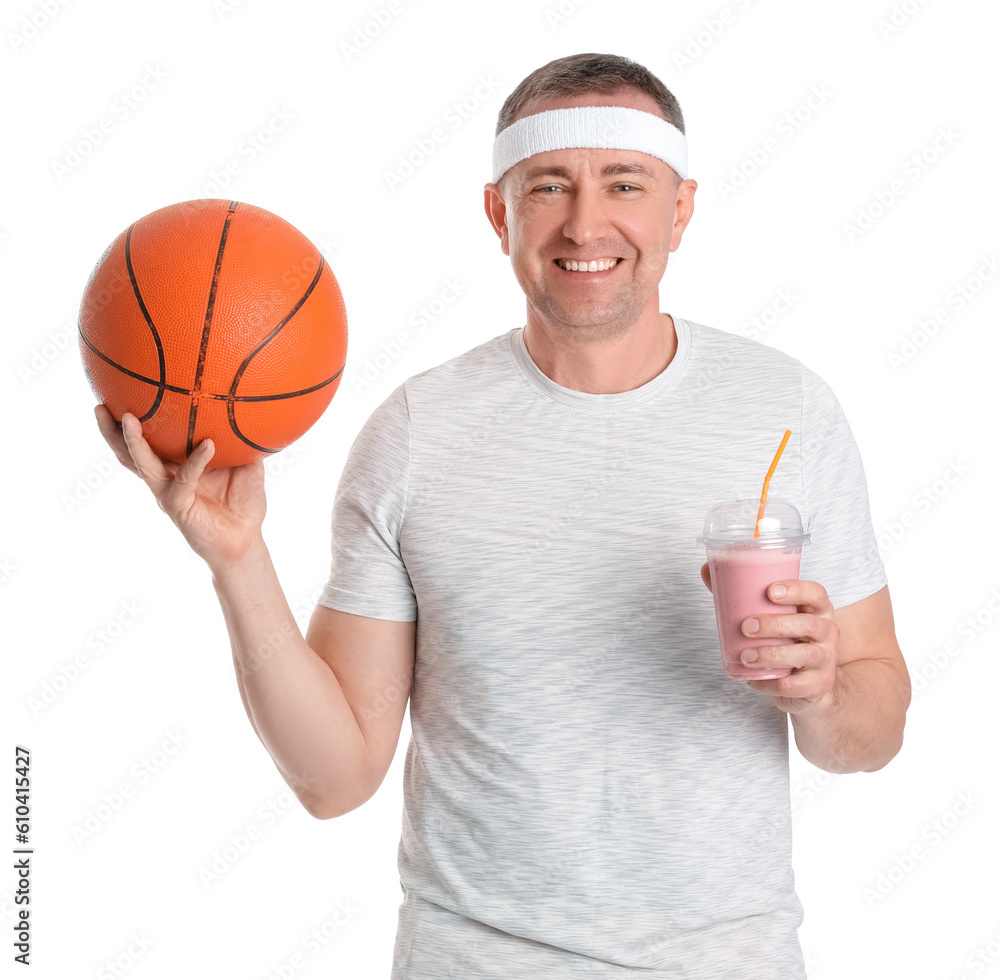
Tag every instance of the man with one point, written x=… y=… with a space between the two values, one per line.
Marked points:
x=587 y=794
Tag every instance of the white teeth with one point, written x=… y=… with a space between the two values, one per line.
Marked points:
x=598 y=265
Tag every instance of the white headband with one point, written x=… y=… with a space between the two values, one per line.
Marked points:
x=600 y=127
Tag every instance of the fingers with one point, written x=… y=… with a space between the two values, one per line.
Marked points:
x=794 y=655
x=148 y=465
x=808 y=688
x=706 y=576
x=804 y=626
x=186 y=477
x=801 y=593
x=112 y=433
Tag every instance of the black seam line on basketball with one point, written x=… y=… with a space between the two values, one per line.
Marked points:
x=231 y=404
x=134 y=374
x=160 y=361
x=285 y=394
x=187 y=391
x=253 y=445
x=230 y=401
x=209 y=313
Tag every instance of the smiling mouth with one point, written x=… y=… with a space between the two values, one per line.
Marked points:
x=595 y=265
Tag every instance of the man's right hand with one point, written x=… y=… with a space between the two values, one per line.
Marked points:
x=219 y=511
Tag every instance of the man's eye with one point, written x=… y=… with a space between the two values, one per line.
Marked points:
x=548 y=187
x=628 y=187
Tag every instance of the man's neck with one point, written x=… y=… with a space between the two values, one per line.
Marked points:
x=602 y=368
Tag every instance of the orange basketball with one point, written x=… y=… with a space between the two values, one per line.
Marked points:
x=214 y=319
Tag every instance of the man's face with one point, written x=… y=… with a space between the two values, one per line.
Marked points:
x=619 y=207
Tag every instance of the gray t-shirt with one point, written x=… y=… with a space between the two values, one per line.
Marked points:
x=586 y=793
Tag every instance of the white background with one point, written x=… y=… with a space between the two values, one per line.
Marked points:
x=83 y=541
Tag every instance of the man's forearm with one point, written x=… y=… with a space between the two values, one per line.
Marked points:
x=292 y=698
x=860 y=727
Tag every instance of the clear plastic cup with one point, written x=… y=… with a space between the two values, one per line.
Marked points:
x=742 y=567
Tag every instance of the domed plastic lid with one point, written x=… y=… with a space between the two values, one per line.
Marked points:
x=733 y=523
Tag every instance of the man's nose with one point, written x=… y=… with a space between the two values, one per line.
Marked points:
x=587 y=219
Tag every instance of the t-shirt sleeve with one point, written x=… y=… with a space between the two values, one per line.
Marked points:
x=367 y=573
x=842 y=554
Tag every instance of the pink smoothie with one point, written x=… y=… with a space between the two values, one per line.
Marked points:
x=740 y=577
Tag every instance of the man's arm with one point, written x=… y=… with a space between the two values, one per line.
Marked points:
x=859 y=725
x=328 y=709
x=849 y=689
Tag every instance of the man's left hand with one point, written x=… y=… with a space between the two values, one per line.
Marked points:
x=813 y=654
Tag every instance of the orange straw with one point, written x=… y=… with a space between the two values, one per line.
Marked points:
x=767 y=480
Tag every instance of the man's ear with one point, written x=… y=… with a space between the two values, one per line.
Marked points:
x=496 y=211
x=683 y=210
